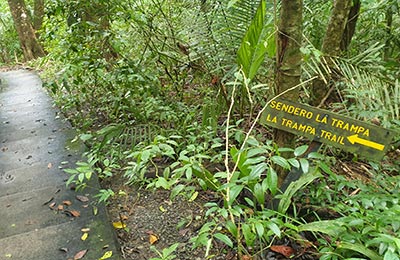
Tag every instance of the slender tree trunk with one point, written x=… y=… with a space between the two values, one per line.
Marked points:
x=350 y=28
x=38 y=14
x=26 y=33
x=288 y=62
x=331 y=46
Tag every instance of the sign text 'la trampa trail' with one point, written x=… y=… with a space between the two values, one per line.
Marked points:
x=323 y=126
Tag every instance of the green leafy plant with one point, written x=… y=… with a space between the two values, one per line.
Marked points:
x=256 y=43
x=166 y=253
x=81 y=175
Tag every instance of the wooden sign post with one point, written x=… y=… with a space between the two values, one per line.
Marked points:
x=321 y=126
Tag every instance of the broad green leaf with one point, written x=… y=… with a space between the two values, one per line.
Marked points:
x=280 y=161
x=234 y=192
x=257 y=171
x=255 y=151
x=300 y=150
x=294 y=162
x=206 y=176
x=249 y=236
x=81 y=177
x=260 y=229
x=305 y=165
x=304 y=180
x=254 y=161
x=231 y=227
x=259 y=193
x=240 y=158
x=88 y=175
x=272 y=181
x=162 y=182
x=360 y=249
x=330 y=227
x=323 y=166
x=169 y=250
x=176 y=190
x=253 y=48
x=71 y=171
x=224 y=238
x=274 y=228
x=85 y=137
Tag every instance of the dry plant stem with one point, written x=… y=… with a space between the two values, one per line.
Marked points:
x=246 y=84
x=228 y=173
x=258 y=117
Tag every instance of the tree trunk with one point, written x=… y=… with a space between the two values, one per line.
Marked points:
x=26 y=33
x=38 y=14
x=336 y=27
x=350 y=28
x=288 y=62
x=331 y=46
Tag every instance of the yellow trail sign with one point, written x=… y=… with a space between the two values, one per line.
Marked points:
x=323 y=126
x=355 y=139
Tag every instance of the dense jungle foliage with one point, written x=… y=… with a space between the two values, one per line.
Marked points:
x=167 y=94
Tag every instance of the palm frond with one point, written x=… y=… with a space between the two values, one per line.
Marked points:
x=368 y=92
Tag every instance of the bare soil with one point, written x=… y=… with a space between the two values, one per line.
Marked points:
x=153 y=220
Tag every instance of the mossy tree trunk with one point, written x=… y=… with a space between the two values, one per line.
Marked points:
x=288 y=62
x=26 y=33
x=335 y=40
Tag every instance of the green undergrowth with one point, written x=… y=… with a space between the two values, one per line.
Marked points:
x=328 y=215
x=176 y=108
x=188 y=144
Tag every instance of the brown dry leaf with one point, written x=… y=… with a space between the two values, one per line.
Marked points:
x=80 y=254
x=49 y=166
x=184 y=232
x=246 y=257
x=286 y=251
x=119 y=225
x=52 y=205
x=75 y=213
x=67 y=203
x=63 y=249
x=153 y=238
x=82 y=198
x=355 y=192
x=60 y=207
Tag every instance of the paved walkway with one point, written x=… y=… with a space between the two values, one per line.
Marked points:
x=36 y=208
